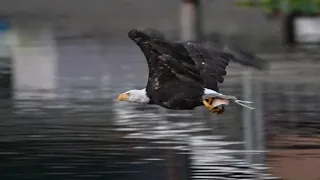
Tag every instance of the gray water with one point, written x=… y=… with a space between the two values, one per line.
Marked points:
x=84 y=133
x=103 y=139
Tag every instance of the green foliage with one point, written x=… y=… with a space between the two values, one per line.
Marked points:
x=283 y=6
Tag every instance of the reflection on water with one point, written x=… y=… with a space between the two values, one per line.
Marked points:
x=73 y=139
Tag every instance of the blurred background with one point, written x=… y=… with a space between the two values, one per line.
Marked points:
x=63 y=64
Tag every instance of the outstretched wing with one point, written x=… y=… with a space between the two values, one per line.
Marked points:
x=206 y=59
x=210 y=64
x=201 y=64
x=162 y=67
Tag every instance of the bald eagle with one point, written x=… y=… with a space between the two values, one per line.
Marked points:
x=185 y=75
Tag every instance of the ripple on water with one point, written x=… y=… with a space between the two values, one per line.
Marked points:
x=99 y=140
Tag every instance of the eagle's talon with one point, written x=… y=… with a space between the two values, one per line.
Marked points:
x=210 y=100
x=217 y=110
x=221 y=110
x=212 y=109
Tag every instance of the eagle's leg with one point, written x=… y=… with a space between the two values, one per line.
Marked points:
x=208 y=105
x=210 y=100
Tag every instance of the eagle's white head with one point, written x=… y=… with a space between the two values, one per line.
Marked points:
x=138 y=96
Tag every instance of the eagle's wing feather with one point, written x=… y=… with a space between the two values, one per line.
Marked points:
x=162 y=65
x=182 y=72
x=199 y=63
x=211 y=63
x=196 y=59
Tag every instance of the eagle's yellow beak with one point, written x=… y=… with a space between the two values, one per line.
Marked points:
x=123 y=97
